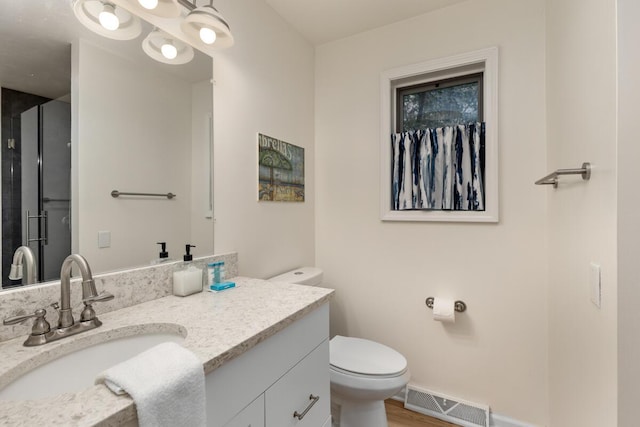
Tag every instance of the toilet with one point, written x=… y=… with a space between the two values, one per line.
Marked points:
x=363 y=373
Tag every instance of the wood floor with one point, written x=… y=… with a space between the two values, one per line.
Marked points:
x=397 y=416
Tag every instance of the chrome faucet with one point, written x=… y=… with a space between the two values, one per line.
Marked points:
x=23 y=262
x=41 y=332
x=89 y=292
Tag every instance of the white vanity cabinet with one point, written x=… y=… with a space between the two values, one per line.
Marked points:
x=280 y=376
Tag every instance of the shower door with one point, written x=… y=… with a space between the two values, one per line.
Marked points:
x=46 y=185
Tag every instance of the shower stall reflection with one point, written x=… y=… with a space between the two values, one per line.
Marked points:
x=36 y=182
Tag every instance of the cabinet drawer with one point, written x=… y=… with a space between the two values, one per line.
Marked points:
x=291 y=394
x=251 y=416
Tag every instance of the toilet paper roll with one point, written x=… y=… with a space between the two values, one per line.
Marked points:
x=444 y=310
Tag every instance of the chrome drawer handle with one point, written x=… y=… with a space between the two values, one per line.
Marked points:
x=314 y=400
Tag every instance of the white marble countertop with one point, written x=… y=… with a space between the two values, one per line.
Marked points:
x=218 y=327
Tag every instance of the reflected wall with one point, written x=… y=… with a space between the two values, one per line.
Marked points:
x=149 y=150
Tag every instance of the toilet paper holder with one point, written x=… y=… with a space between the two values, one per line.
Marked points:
x=459 y=306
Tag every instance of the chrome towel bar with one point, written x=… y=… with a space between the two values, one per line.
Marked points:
x=116 y=193
x=552 y=178
x=459 y=306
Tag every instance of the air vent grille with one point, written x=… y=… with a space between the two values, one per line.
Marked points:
x=446 y=408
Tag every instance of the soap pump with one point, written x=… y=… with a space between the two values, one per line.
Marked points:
x=187 y=253
x=188 y=280
x=163 y=256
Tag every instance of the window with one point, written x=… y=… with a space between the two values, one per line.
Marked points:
x=461 y=89
x=447 y=102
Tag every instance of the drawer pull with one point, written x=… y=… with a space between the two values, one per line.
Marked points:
x=314 y=399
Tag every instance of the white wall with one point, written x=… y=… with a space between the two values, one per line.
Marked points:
x=628 y=206
x=263 y=84
x=496 y=353
x=140 y=151
x=581 y=126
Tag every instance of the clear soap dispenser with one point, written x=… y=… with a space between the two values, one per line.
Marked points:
x=187 y=280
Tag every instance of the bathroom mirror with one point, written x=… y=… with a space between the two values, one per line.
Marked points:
x=130 y=124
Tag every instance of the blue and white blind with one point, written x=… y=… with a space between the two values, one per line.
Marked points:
x=439 y=169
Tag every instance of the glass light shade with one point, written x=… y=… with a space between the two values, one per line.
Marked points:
x=207 y=18
x=160 y=46
x=108 y=18
x=169 y=51
x=148 y=4
x=88 y=13
x=207 y=35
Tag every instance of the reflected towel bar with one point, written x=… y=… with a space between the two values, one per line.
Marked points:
x=552 y=178
x=116 y=193
x=48 y=200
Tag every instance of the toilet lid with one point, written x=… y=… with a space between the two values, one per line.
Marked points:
x=365 y=357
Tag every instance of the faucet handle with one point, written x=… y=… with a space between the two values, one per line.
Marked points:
x=89 y=314
x=105 y=296
x=40 y=325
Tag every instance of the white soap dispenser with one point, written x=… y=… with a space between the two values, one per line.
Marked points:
x=188 y=280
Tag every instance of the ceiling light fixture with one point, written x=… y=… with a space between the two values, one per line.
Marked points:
x=107 y=19
x=205 y=28
x=163 y=48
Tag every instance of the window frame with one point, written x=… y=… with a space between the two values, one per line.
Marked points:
x=483 y=61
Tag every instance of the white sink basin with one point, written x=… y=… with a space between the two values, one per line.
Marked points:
x=78 y=369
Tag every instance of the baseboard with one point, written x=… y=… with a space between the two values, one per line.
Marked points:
x=498 y=420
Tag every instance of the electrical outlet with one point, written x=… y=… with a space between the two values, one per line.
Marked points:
x=595 y=284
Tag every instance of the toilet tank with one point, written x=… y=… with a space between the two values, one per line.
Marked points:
x=310 y=276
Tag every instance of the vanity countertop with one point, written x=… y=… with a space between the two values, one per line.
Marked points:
x=219 y=327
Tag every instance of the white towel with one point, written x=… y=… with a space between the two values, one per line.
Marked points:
x=166 y=383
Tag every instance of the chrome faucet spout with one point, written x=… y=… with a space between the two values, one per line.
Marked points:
x=88 y=287
x=23 y=266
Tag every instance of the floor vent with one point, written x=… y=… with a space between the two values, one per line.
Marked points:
x=446 y=408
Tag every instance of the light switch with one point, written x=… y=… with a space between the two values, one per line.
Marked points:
x=104 y=239
x=595 y=284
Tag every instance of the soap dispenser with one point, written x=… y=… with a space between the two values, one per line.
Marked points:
x=187 y=280
x=163 y=256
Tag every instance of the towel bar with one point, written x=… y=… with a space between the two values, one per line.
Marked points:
x=116 y=193
x=552 y=178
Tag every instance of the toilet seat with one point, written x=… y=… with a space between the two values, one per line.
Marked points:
x=361 y=357
x=369 y=376
x=360 y=387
